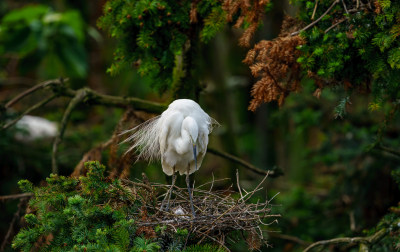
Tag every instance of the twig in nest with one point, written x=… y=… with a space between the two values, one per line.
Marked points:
x=218 y=213
x=212 y=238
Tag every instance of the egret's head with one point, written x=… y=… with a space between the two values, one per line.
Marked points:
x=190 y=125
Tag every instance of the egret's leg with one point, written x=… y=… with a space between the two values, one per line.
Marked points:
x=168 y=195
x=190 y=191
x=195 y=155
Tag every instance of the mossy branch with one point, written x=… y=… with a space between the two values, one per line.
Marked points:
x=34 y=89
x=368 y=241
x=95 y=98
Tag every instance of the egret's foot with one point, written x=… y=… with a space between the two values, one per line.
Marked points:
x=165 y=205
x=165 y=202
x=193 y=213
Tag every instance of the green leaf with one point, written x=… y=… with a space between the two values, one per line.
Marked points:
x=75 y=21
x=27 y=14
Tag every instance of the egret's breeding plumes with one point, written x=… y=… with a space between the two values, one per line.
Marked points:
x=178 y=137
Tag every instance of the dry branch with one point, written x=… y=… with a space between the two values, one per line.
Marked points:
x=245 y=164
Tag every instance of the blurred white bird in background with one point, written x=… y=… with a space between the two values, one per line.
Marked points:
x=178 y=137
x=36 y=128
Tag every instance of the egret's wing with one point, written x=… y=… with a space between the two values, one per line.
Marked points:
x=169 y=132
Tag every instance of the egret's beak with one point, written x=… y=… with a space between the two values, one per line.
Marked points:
x=195 y=155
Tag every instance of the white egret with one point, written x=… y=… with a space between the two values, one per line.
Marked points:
x=178 y=137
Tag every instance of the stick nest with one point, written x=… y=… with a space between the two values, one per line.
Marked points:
x=217 y=212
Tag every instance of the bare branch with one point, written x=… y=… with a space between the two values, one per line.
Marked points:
x=345 y=7
x=336 y=24
x=30 y=109
x=80 y=95
x=369 y=240
x=15 y=196
x=247 y=165
x=35 y=88
x=95 y=98
x=317 y=20
x=388 y=150
x=315 y=10
x=289 y=238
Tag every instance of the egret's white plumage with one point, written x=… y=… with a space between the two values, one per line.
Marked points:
x=178 y=137
x=171 y=137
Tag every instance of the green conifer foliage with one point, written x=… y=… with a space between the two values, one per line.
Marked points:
x=92 y=213
x=355 y=44
x=152 y=34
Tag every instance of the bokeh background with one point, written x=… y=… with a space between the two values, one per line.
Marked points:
x=332 y=185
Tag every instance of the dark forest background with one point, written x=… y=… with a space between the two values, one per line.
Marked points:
x=333 y=183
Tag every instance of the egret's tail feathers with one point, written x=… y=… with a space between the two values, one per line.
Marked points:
x=144 y=139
